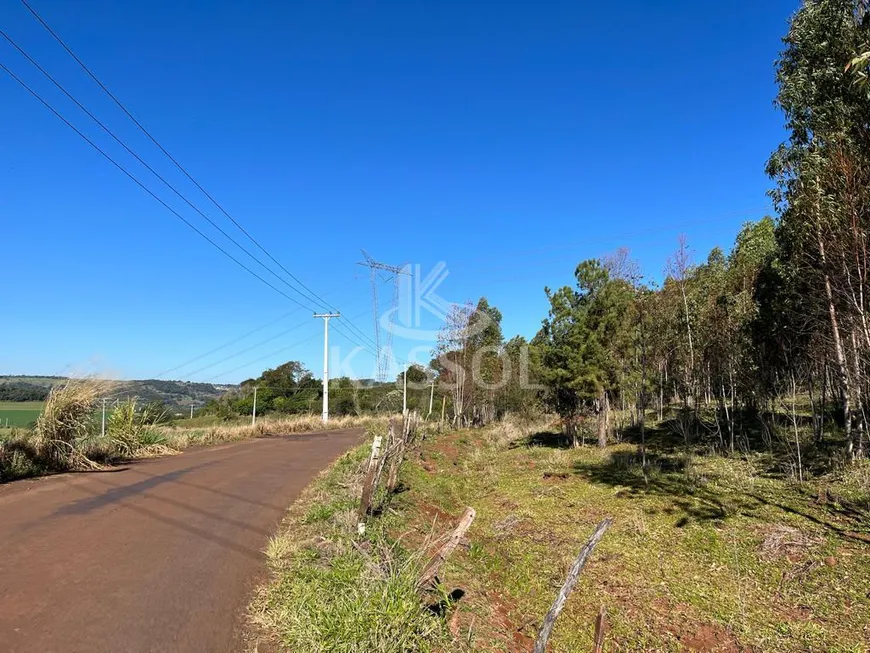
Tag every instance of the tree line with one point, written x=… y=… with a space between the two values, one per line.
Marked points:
x=22 y=391
x=727 y=346
x=740 y=338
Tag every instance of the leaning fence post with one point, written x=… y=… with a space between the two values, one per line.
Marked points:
x=397 y=455
x=366 y=499
x=568 y=586
x=446 y=549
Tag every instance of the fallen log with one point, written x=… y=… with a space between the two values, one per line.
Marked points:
x=568 y=587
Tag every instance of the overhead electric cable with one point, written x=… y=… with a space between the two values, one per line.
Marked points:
x=313 y=296
x=144 y=187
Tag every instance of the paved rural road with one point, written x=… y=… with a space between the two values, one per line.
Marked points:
x=161 y=555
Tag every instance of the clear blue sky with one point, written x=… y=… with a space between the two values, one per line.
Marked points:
x=510 y=140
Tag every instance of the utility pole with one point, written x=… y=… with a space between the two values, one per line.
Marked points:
x=254 y=413
x=326 y=316
x=103 y=429
x=405 y=392
x=431 y=397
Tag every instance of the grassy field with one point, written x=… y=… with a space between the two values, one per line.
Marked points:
x=706 y=553
x=19 y=413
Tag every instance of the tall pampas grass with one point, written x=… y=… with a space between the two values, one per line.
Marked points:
x=64 y=422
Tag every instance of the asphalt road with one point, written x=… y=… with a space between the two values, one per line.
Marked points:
x=159 y=555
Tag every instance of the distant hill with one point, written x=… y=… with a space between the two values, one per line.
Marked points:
x=172 y=393
x=22 y=391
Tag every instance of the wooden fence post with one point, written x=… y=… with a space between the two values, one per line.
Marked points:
x=368 y=489
x=600 y=626
x=568 y=586
x=397 y=455
x=434 y=566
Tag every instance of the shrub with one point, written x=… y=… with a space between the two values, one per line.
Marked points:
x=131 y=431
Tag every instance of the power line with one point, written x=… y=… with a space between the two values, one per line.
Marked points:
x=138 y=158
x=145 y=188
x=262 y=358
x=247 y=349
x=269 y=355
x=318 y=300
x=227 y=344
x=313 y=296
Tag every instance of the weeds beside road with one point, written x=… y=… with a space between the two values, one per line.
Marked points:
x=68 y=434
x=332 y=590
x=706 y=553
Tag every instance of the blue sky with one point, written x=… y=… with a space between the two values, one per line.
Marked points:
x=509 y=140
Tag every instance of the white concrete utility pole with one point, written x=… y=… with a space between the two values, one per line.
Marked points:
x=103 y=429
x=326 y=316
x=191 y=411
x=254 y=413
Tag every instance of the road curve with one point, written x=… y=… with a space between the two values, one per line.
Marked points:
x=159 y=555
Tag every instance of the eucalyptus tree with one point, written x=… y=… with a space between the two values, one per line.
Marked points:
x=822 y=173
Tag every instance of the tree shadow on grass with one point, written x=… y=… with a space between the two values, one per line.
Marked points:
x=444 y=603
x=666 y=475
x=699 y=498
x=550 y=439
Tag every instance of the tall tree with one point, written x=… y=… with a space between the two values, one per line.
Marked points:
x=582 y=344
x=822 y=173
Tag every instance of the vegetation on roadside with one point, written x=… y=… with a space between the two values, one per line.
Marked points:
x=332 y=590
x=291 y=389
x=69 y=435
x=707 y=552
x=182 y=436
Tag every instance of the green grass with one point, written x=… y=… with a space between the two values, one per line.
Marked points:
x=19 y=413
x=704 y=550
x=333 y=591
x=705 y=553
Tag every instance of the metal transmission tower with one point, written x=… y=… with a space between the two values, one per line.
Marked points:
x=396 y=270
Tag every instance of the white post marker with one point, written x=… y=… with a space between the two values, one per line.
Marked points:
x=191 y=411
x=103 y=429
x=326 y=316
x=254 y=413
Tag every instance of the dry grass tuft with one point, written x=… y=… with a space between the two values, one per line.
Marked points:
x=64 y=421
x=182 y=438
x=781 y=540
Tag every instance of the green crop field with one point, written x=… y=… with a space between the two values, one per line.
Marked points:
x=19 y=413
